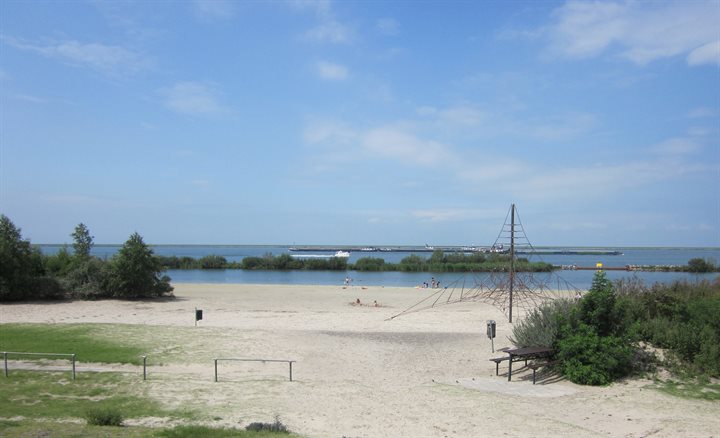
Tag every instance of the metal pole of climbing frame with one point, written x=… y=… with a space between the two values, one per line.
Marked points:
x=512 y=256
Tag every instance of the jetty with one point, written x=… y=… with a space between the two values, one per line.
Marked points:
x=451 y=249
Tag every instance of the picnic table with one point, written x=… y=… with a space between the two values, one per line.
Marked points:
x=524 y=353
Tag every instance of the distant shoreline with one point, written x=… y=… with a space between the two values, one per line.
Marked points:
x=358 y=247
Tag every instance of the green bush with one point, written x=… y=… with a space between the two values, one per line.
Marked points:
x=541 y=327
x=369 y=264
x=212 y=262
x=699 y=265
x=276 y=426
x=589 y=359
x=104 y=417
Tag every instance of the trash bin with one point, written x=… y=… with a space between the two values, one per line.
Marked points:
x=490 y=329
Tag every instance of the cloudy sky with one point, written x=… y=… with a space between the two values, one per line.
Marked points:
x=356 y=122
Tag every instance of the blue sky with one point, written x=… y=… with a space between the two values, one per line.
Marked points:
x=359 y=122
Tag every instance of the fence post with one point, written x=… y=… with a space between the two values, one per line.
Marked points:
x=6 y=370
x=144 y=367
x=73 y=363
x=216 y=370
x=290 y=362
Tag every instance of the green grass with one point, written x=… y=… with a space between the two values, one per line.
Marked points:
x=33 y=394
x=26 y=428
x=691 y=390
x=91 y=342
x=44 y=400
x=202 y=431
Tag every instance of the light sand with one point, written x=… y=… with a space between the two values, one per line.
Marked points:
x=357 y=374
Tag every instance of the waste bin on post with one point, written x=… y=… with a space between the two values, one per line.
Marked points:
x=491 y=327
x=198 y=315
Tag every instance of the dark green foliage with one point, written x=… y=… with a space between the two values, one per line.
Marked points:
x=369 y=264
x=104 y=417
x=681 y=317
x=597 y=307
x=22 y=274
x=60 y=263
x=541 y=327
x=412 y=263
x=135 y=272
x=590 y=359
x=276 y=426
x=82 y=241
x=213 y=262
x=701 y=265
x=287 y=262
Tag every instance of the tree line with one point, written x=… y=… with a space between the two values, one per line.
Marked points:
x=27 y=274
x=438 y=262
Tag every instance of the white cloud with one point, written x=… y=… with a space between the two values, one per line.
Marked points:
x=463 y=115
x=105 y=59
x=405 y=147
x=214 y=9
x=387 y=26
x=426 y=111
x=455 y=214
x=562 y=127
x=329 y=31
x=702 y=112
x=676 y=146
x=331 y=71
x=191 y=98
x=707 y=54
x=641 y=32
x=31 y=99
x=328 y=132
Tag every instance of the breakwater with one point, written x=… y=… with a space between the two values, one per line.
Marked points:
x=450 y=249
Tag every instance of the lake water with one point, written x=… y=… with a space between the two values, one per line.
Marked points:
x=579 y=279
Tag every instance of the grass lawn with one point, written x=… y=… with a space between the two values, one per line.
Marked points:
x=51 y=403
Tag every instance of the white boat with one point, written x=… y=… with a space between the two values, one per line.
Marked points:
x=342 y=254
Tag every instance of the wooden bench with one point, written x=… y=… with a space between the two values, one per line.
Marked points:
x=537 y=365
x=497 y=361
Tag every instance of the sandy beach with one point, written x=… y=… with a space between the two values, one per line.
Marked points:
x=359 y=374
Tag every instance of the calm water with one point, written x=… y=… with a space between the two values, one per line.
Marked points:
x=580 y=279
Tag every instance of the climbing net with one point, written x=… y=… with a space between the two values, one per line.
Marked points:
x=512 y=290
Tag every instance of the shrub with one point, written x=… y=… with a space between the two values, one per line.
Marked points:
x=699 y=265
x=104 y=417
x=212 y=262
x=277 y=426
x=412 y=263
x=589 y=359
x=597 y=307
x=541 y=327
x=367 y=264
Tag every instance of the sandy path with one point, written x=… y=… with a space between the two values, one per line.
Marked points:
x=357 y=374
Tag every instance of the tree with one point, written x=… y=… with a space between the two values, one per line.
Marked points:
x=83 y=241
x=21 y=268
x=135 y=272
x=597 y=308
x=699 y=265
